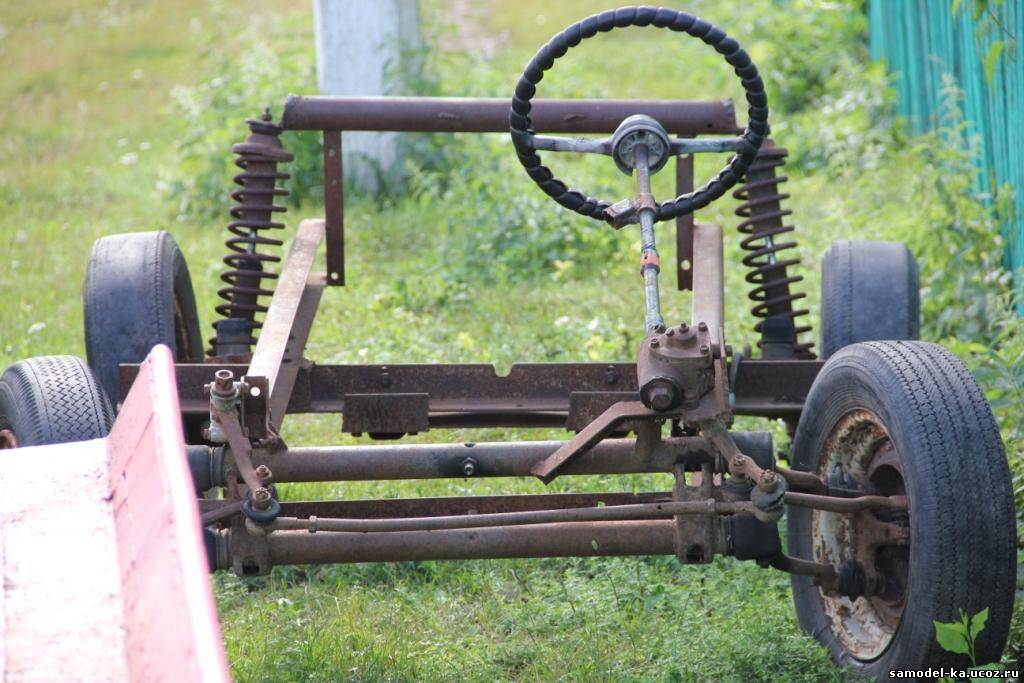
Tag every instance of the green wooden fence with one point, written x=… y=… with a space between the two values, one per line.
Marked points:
x=977 y=43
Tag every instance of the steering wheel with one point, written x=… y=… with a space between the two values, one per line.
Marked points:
x=638 y=133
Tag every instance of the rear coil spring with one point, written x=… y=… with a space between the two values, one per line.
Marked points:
x=763 y=215
x=247 y=259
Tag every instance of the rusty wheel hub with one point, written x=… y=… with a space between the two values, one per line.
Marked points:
x=7 y=439
x=860 y=454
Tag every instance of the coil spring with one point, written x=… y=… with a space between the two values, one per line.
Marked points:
x=247 y=259
x=763 y=215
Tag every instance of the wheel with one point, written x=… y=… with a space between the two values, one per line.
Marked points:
x=51 y=399
x=869 y=292
x=905 y=418
x=138 y=294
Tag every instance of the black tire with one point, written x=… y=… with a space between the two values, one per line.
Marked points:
x=869 y=292
x=52 y=399
x=930 y=431
x=138 y=294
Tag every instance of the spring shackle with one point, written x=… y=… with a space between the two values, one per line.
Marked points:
x=248 y=275
x=763 y=217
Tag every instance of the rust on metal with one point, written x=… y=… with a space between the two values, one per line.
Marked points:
x=568 y=539
x=649 y=259
x=490 y=115
x=283 y=324
x=860 y=451
x=491 y=459
x=708 y=289
x=241 y=449
x=547 y=469
x=684 y=224
x=334 y=207
x=526 y=517
x=834 y=504
x=805 y=482
x=389 y=508
x=532 y=394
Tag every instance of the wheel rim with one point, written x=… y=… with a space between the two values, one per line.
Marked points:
x=7 y=440
x=859 y=454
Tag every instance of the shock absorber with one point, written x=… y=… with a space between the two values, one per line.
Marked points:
x=762 y=224
x=248 y=275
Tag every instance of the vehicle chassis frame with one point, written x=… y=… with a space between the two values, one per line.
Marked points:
x=694 y=521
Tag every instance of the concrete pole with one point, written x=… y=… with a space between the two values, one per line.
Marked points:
x=364 y=47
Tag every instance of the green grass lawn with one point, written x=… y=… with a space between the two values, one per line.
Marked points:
x=91 y=147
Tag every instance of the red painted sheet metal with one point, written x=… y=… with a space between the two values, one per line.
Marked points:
x=171 y=627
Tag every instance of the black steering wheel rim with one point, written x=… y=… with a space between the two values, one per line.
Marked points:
x=752 y=137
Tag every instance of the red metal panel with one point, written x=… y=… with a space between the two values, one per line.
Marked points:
x=171 y=628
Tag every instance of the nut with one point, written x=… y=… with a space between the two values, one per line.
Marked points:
x=768 y=479
x=261 y=498
x=469 y=467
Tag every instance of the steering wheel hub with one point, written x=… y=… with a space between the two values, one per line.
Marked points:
x=635 y=130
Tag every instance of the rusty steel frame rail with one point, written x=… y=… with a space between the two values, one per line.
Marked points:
x=490 y=115
x=474 y=395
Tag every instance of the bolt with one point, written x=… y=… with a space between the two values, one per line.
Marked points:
x=261 y=498
x=661 y=397
x=263 y=473
x=655 y=343
x=739 y=462
x=703 y=327
x=609 y=375
x=469 y=467
x=223 y=380
x=704 y=348
x=659 y=329
x=683 y=328
x=671 y=331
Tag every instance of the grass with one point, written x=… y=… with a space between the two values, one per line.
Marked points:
x=93 y=146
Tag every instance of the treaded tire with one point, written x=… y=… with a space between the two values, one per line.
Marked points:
x=869 y=292
x=138 y=294
x=962 y=548
x=53 y=399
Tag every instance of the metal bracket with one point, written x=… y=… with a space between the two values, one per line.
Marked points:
x=548 y=469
